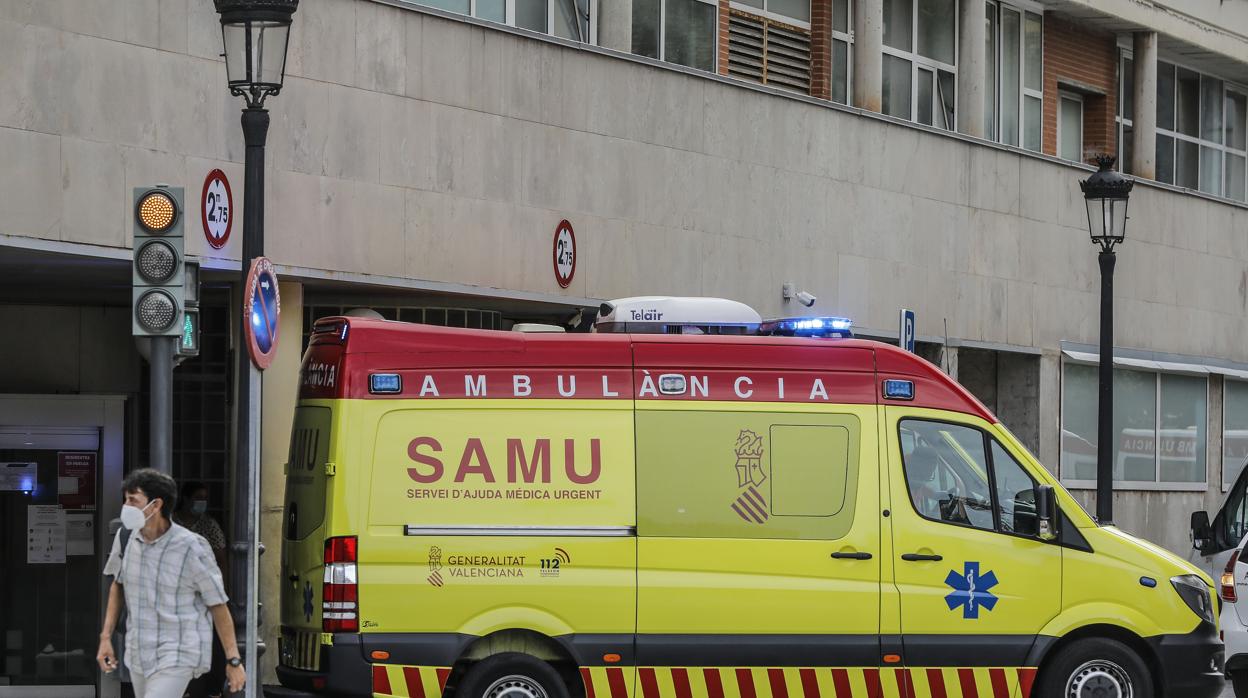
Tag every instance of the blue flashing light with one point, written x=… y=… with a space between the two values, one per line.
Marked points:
x=825 y=327
x=385 y=383
x=898 y=390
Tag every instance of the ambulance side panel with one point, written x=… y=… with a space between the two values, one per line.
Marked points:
x=494 y=501
x=748 y=485
x=489 y=515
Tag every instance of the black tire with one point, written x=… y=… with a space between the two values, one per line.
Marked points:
x=1095 y=663
x=1239 y=681
x=512 y=675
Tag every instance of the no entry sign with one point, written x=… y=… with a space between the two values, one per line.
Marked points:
x=262 y=307
x=564 y=254
x=216 y=208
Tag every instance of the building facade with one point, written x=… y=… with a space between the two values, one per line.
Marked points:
x=877 y=154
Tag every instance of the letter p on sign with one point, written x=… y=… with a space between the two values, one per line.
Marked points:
x=906 y=332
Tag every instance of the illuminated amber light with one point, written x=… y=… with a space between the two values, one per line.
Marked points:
x=157 y=211
x=380 y=654
x=892 y=658
x=611 y=658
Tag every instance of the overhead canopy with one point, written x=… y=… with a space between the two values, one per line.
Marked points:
x=1166 y=366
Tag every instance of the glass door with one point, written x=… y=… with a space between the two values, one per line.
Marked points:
x=49 y=591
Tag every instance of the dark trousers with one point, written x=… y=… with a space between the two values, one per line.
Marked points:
x=212 y=683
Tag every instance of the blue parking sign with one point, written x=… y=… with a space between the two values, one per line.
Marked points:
x=906 y=333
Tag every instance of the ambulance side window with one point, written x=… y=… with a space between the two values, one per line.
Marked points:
x=1234 y=523
x=960 y=475
x=947 y=473
x=1016 y=493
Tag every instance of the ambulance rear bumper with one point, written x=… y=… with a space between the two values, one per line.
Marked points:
x=1192 y=665
x=343 y=673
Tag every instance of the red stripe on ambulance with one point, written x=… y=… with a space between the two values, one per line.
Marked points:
x=649 y=684
x=1000 y=689
x=381 y=680
x=615 y=678
x=680 y=679
x=714 y=687
x=411 y=675
x=840 y=679
x=778 y=688
x=966 y=677
x=936 y=683
x=810 y=683
x=1025 y=678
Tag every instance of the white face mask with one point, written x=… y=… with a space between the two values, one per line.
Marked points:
x=199 y=507
x=133 y=517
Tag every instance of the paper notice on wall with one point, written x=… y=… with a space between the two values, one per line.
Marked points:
x=18 y=477
x=79 y=533
x=45 y=535
x=75 y=484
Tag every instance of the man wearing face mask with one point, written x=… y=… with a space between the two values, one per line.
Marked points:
x=192 y=514
x=172 y=590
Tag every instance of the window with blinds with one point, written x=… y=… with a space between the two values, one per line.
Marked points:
x=764 y=50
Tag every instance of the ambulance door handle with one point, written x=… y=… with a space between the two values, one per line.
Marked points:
x=851 y=556
x=919 y=557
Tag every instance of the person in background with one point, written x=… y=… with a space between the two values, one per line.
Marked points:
x=172 y=588
x=192 y=514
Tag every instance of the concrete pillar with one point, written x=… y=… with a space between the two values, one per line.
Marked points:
x=868 y=55
x=972 y=66
x=1144 y=126
x=277 y=413
x=615 y=25
x=1050 y=403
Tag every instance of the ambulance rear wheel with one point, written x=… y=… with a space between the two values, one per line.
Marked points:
x=1096 y=668
x=512 y=675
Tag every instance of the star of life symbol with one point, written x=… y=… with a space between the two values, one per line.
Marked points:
x=307 y=601
x=970 y=590
x=435 y=566
x=750 y=504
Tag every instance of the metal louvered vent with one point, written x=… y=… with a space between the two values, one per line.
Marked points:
x=766 y=51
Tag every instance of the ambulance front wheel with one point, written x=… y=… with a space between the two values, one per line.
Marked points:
x=512 y=675
x=1096 y=668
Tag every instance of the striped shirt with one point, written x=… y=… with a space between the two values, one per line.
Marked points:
x=169 y=585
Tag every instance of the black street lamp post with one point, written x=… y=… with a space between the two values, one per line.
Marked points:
x=1106 y=194
x=255 y=34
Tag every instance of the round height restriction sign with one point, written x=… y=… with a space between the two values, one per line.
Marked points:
x=216 y=207
x=565 y=254
x=262 y=307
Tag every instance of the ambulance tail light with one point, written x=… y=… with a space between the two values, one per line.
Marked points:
x=340 y=612
x=1228 y=579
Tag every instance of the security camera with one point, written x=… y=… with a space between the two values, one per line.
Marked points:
x=805 y=298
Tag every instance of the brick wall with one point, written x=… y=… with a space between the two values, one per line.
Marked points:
x=723 y=37
x=821 y=49
x=1085 y=62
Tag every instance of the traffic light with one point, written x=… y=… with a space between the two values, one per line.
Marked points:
x=158 y=293
x=188 y=342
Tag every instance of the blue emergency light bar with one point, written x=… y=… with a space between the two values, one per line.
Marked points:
x=823 y=327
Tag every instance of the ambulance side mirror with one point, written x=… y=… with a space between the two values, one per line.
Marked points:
x=1202 y=532
x=1046 y=511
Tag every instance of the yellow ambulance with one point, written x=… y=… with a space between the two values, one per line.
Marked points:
x=489 y=514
